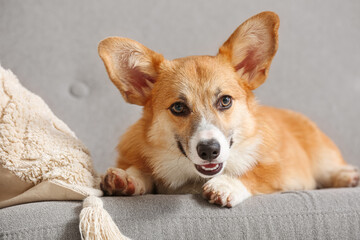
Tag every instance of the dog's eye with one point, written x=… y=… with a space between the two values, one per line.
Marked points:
x=224 y=102
x=179 y=109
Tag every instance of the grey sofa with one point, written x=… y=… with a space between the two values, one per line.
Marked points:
x=321 y=214
x=52 y=47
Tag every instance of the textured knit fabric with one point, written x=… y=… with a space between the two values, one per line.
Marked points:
x=320 y=214
x=34 y=144
x=38 y=152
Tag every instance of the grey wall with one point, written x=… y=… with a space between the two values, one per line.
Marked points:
x=52 y=47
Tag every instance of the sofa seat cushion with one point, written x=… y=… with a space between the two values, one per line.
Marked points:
x=318 y=214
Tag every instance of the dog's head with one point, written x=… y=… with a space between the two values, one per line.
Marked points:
x=201 y=104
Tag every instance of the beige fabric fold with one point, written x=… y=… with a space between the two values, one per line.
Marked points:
x=44 y=191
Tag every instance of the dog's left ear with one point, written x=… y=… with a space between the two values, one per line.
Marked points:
x=252 y=46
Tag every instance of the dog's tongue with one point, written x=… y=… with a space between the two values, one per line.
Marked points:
x=210 y=165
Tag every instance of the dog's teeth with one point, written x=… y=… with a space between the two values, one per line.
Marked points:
x=210 y=169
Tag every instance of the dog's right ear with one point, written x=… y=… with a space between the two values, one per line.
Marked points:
x=131 y=66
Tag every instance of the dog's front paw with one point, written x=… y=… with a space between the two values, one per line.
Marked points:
x=118 y=182
x=347 y=176
x=225 y=191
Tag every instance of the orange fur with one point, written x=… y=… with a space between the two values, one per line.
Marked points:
x=274 y=150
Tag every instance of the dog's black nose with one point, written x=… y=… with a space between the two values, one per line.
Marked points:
x=208 y=150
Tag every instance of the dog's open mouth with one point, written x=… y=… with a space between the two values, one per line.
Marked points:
x=209 y=169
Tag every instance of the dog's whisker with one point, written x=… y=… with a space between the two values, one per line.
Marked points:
x=169 y=148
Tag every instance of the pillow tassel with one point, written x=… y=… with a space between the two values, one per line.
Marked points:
x=96 y=223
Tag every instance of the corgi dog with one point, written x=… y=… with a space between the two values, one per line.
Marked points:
x=202 y=131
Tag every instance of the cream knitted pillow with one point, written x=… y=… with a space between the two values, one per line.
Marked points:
x=42 y=159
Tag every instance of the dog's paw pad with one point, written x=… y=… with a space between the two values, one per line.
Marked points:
x=115 y=182
x=347 y=177
x=355 y=181
x=119 y=183
x=130 y=190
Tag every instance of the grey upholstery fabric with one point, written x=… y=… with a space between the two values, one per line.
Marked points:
x=41 y=220
x=52 y=47
x=321 y=214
